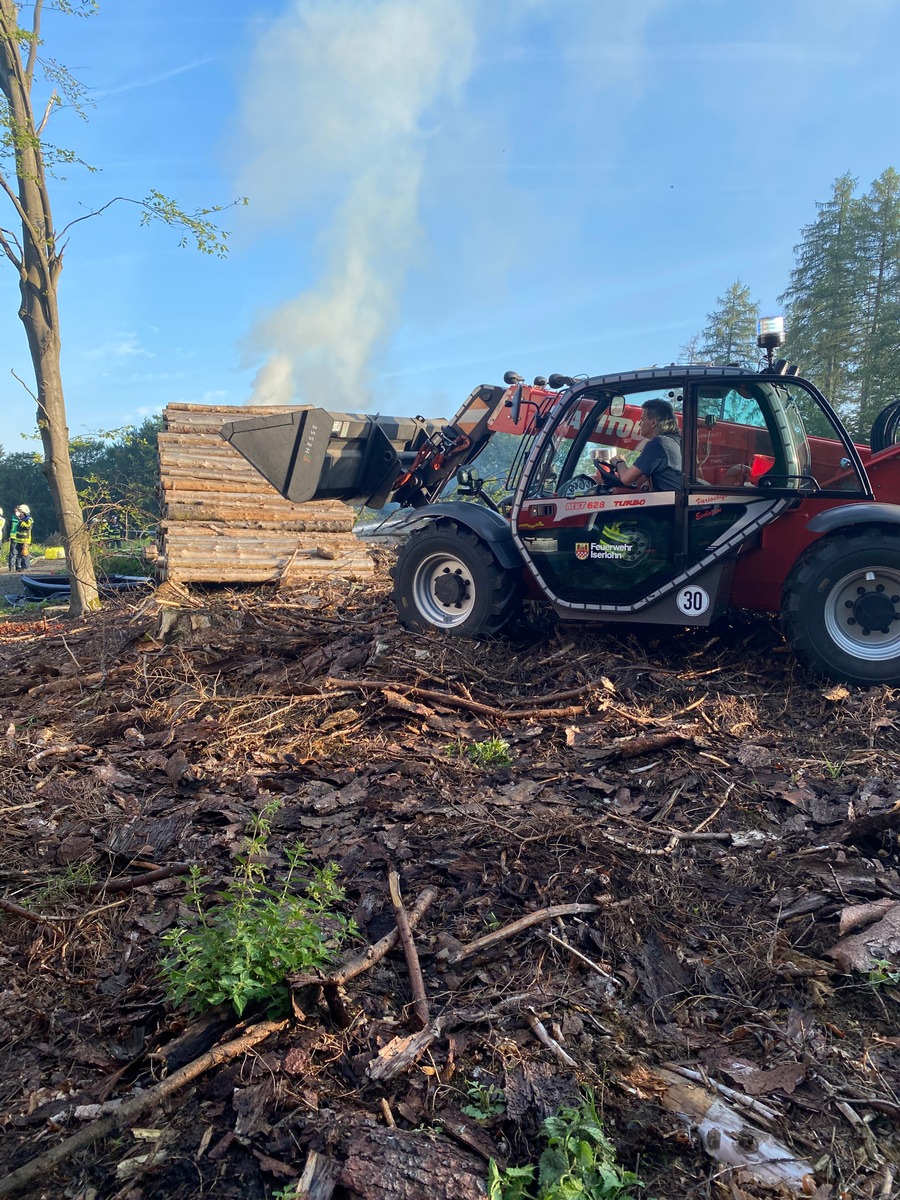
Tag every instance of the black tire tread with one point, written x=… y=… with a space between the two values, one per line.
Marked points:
x=798 y=607
x=503 y=584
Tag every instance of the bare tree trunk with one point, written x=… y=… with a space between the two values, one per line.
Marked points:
x=43 y=342
x=38 y=261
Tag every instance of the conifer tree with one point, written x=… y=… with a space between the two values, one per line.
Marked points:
x=878 y=368
x=824 y=320
x=730 y=332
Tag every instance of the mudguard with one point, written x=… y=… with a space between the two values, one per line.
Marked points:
x=844 y=515
x=493 y=529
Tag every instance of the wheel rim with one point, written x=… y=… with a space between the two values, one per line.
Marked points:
x=862 y=614
x=443 y=590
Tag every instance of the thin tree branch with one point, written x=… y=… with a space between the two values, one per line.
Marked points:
x=14 y=258
x=420 y=1000
x=96 y=213
x=51 y=104
x=39 y=243
x=35 y=39
x=25 y=386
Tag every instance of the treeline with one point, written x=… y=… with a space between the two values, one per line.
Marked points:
x=841 y=305
x=115 y=473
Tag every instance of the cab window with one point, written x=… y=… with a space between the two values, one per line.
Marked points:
x=591 y=432
x=734 y=444
x=816 y=440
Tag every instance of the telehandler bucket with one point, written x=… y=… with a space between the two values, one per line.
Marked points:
x=311 y=454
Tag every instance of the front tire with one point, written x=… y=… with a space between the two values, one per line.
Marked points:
x=446 y=578
x=841 y=608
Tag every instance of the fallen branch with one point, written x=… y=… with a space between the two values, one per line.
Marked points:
x=725 y=1134
x=540 y=1032
x=47 y=922
x=68 y=683
x=499 y=935
x=125 y=883
x=637 y=747
x=352 y=967
x=485 y=710
x=420 y=1001
x=123 y=1116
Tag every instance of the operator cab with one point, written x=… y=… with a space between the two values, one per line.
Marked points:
x=752 y=445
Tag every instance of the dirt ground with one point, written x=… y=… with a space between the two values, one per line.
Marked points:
x=703 y=837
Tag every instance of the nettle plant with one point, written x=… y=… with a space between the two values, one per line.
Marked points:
x=241 y=947
x=578 y=1163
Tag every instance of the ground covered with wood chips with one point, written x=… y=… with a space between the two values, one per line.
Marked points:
x=718 y=829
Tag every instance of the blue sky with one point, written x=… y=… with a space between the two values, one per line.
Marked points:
x=439 y=190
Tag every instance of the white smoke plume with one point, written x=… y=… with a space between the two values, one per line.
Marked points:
x=341 y=92
x=340 y=98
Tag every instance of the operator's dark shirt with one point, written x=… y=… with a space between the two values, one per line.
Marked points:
x=660 y=461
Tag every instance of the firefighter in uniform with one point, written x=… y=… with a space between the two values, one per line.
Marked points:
x=20 y=538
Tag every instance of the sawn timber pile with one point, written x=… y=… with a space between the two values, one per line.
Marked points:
x=688 y=835
x=223 y=523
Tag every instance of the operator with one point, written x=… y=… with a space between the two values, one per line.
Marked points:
x=20 y=538
x=659 y=460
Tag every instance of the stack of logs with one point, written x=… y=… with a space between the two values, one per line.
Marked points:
x=223 y=523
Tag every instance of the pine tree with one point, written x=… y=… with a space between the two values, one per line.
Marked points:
x=730 y=332
x=878 y=369
x=824 y=319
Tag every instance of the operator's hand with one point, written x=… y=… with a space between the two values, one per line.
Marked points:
x=607 y=475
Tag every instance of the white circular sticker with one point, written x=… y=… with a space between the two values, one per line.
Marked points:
x=692 y=601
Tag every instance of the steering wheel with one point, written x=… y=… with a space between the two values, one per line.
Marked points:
x=579 y=485
x=609 y=477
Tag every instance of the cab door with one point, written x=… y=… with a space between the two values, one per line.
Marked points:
x=743 y=467
x=665 y=557
x=592 y=551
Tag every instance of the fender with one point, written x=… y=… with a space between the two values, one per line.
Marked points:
x=484 y=522
x=854 y=514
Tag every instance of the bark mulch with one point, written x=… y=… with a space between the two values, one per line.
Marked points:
x=702 y=839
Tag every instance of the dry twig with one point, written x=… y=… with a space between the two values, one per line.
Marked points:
x=534 y=918
x=420 y=1001
x=352 y=967
x=540 y=1032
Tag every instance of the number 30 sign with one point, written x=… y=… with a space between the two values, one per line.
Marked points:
x=692 y=601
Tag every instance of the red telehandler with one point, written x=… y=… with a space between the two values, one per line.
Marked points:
x=778 y=510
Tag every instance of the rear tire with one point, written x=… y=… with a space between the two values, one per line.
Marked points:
x=841 y=608
x=886 y=428
x=446 y=578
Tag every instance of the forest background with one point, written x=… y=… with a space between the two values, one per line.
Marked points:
x=842 y=310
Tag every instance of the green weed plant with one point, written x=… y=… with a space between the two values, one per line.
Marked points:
x=493 y=752
x=884 y=974
x=242 y=948
x=485 y=1101
x=578 y=1163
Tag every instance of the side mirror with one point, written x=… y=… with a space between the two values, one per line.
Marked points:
x=464 y=477
x=617 y=406
x=515 y=405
